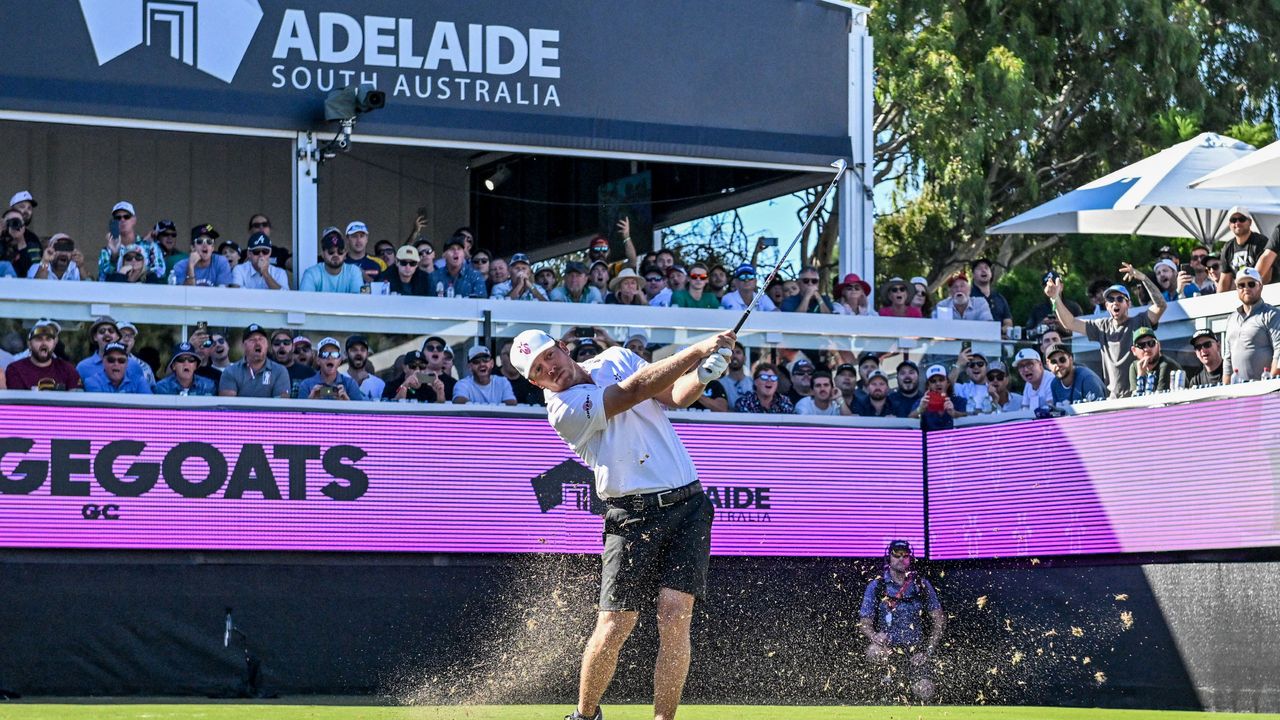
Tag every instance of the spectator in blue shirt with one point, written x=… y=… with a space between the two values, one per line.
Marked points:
x=334 y=275
x=114 y=376
x=203 y=266
x=182 y=379
x=328 y=383
x=456 y=278
x=103 y=332
x=1072 y=384
x=575 y=289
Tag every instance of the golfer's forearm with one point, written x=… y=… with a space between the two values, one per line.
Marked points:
x=651 y=380
x=687 y=389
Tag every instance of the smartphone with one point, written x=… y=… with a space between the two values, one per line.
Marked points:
x=422 y=212
x=1186 y=268
x=769 y=241
x=113 y=227
x=202 y=326
x=935 y=402
x=426 y=377
x=584 y=332
x=966 y=345
x=64 y=245
x=328 y=391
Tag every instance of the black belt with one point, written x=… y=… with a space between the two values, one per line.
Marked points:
x=663 y=498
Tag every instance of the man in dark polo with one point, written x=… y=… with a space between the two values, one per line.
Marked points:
x=256 y=375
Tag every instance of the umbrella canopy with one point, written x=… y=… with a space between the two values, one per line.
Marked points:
x=1257 y=169
x=1151 y=197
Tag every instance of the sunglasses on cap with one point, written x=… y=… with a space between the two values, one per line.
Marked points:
x=1117 y=298
x=1238 y=219
x=329 y=354
x=1145 y=344
x=767 y=377
x=1247 y=284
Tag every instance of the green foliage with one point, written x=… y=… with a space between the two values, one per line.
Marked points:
x=987 y=109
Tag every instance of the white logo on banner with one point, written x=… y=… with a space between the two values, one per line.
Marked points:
x=210 y=35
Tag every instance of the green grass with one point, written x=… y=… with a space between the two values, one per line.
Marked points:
x=282 y=711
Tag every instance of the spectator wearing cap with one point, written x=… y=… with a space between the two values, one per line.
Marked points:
x=744 y=288
x=417 y=383
x=1246 y=248
x=521 y=285
x=457 y=278
x=499 y=272
x=440 y=361
x=598 y=249
x=132 y=269
x=845 y=378
x=867 y=362
x=874 y=402
x=1209 y=352
x=109 y=258
x=58 y=261
x=998 y=386
x=659 y=292
x=696 y=294
x=115 y=377
x=1037 y=391
x=361 y=370
x=899 y=299
x=1165 y=276
x=853 y=297
x=304 y=352
x=922 y=300
x=970 y=378
x=385 y=250
x=1113 y=333
x=677 y=278
x=598 y=277
x=481 y=262
x=546 y=278
x=41 y=369
x=281 y=256
x=938 y=407
x=406 y=276
x=655 y=281
x=1151 y=369
x=165 y=232
x=983 y=287
x=801 y=380
x=203 y=266
x=466 y=239
x=103 y=332
x=904 y=399
x=821 y=401
x=1197 y=282
x=328 y=383
x=526 y=393
x=231 y=251
x=358 y=251
x=334 y=274
x=482 y=387
x=764 y=397
x=810 y=299
x=128 y=337
x=961 y=304
x=182 y=378
x=282 y=351
x=256 y=375
x=1072 y=384
x=575 y=289
x=257 y=272
x=26 y=245
x=1252 y=345
x=625 y=289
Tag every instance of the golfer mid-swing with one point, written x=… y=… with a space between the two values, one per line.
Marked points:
x=658 y=527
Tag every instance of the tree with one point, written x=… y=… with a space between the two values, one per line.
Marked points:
x=984 y=110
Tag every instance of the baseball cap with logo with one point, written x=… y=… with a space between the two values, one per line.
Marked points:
x=744 y=269
x=104 y=320
x=414 y=356
x=327 y=342
x=1144 y=332
x=165 y=226
x=301 y=340
x=205 y=230
x=1025 y=355
x=255 y=329
x=257 y=241
x=356 y=226
x=114 y=347
x=1250 y=273
x=846 y=367
x=526 y=348
x=183 y=349
x=1203 y=333
x=332 y=238
x=934 y=371
x=23 y=196
x=519 y=258
x=124 y=205
x=477 y=351
x=408 y=252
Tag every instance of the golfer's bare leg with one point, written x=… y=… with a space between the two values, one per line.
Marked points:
x=600 y=659
x=675 y=613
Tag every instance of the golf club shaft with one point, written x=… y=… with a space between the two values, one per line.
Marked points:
x=840 y=166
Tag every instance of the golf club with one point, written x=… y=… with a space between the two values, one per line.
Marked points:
x=840 y=166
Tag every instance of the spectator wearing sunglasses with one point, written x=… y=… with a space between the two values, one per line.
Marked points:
x=898 y=295
x=328 y=383
x=1246 y=248
x=126 y=222
x=1209 y=352
x=520 y=286
x=281 y=256
x=257 y=272
x=764 y=397
x=970 y=377
x=998 y=387
x=809 y=299
x=1072 y=384
x=214 y=353
x=482 y=386
x=1252 y=343
x=203 y=266
x=115 y=376
x=1151 y=369
x=165 y=233
x=182 y=378
x=103 y=332
x=439 y=361
x=334 y=274
x=405 y=275
x=256 y=375
x=853 y=296
x=744 y=288
x=696 y=294
x=1197 y=282
x=385 y=251
x=282 y=351
x=133 y=268
x=1114 y=332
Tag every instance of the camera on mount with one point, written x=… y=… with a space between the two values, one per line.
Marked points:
x=344 y=106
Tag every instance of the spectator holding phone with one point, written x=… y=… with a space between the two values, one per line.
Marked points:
x=58 y=262
x=939 y=407
x=122 y=233
x=419 y=383
x=328 y=383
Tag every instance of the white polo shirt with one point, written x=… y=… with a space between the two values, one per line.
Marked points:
x=636 y=451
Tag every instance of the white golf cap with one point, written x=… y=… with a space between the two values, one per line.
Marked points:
x=1251 y=273
x=24 y=196
x=1240 y=210
x=327 y=341
x=124 y=205
x=526 y=348
x=357 y=226
x=477 y=351
x=1024 y=355
x=935 y=370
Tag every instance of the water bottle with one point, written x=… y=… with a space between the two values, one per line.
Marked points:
x=439 y=289
x=449 y=292
x=1235 y=376
x=1266 y=373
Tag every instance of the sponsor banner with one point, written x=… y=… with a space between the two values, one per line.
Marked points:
x=231 y=480
x=651 y=76
x=1187 y=477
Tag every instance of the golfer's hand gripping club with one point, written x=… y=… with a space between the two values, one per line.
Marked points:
x=715 y=366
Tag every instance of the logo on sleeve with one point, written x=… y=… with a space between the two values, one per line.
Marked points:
x=586 y=407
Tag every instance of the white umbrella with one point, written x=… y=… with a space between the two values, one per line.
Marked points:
x=1151 y=197
x=1257 y=169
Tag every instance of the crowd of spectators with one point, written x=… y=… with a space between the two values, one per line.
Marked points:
x=1042 y=375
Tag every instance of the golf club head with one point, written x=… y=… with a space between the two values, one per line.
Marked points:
x=840 y=166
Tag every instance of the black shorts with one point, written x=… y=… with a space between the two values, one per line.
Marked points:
x=655 y=548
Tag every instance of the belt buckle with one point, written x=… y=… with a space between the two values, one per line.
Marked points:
x=637 y=503
x=662 y=502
